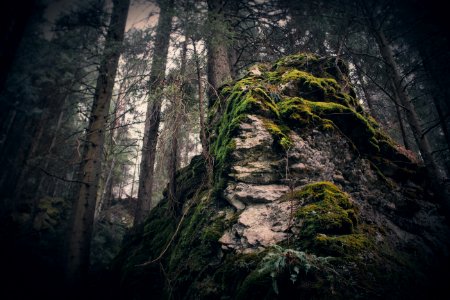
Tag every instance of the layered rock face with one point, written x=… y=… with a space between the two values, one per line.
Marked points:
x=309 y=199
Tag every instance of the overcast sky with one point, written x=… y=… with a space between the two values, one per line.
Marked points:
x=138 y=15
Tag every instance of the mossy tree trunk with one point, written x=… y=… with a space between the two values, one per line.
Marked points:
x=80 y=232
x=153 y=114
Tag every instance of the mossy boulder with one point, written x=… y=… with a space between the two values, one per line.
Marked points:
x=310 y=198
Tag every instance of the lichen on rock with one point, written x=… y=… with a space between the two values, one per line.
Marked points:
x=310 y=198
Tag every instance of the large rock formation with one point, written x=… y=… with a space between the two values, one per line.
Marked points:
x=310 y=199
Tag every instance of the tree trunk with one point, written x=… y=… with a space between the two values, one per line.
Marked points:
x=401 y=124
x=363 y=87
x=187 y=146
x=14 y=19
x=153 y=114
x=436 y=95
x=219 y=70
x=136 y=166
x=172 y=186
x=104 y=197
x=177 y=121
x=105 y=191
x=203 y=135
x=435 y=176
x=80 y=233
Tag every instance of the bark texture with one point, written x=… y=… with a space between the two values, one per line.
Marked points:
x=80 y=234
x=219 y=70
x=153 y=114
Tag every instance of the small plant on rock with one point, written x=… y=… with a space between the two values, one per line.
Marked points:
x=280 y=259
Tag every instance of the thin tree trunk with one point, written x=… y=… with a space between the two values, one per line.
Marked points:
x=186 y=150
x=434 y=96
x=15 y=19
x=8 y=121
x=435 y=176
x=172 y=190
x=364 y=89
x=219 y=70
x=442 y=120
x=153 y=114
x=15 y=153
x=80 y=232
x=106 y=192
x=177 y=121
x=136 y=166
x=401 y=124
x=203 y=135
x=41 y=180
x=27 y=169
x=116 y=133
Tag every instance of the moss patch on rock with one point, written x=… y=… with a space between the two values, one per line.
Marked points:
x=280 y=134
x=325 y=210
x=323 y=99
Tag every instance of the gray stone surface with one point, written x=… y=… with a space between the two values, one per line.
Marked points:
x=258 y=180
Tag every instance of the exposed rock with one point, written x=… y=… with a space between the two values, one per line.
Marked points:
x=252 y=194
x=253 y=135
x=309 y=195
x=258 y=225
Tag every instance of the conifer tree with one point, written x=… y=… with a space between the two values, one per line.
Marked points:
x=81 y=228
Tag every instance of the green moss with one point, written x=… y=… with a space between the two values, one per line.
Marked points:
x=344 y=99
x=232 y=277
x=279 y=133
x=257 y=285
x=265 y=102
x=328 y=107
x=51 y=213
x=228 y=126
x=248 y=95
x=328 y=223
x=325 y=209
x=194 y=266
x=147 y=243
x=299 y=112
x=189 y=178
x=329 y=85
x=296 y=113
x=300 y=60
x=311 y=87
x=283 y=272
x=53 y=206
x=213 y=232
x=341 y=245
x=190 y=234
x=272 y=76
